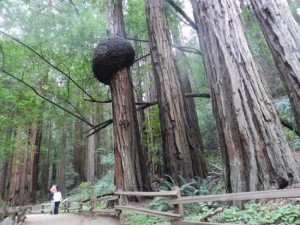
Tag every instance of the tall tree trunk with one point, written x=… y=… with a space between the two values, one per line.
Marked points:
x=79 y=151
x=255 y=152
x=90 y=169
x=23 y=179
x=131 y=171
x=61 y=167
x=194 y=134
x=35 y=158
x=126 y=132
x=100 y=143
x=50 y=156
x=282 y=34
x=3 y=178
x=176 y=145
x=4 y=170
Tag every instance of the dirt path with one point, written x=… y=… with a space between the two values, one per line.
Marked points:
x=68 y=219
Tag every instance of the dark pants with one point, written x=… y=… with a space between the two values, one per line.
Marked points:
x=56 y=206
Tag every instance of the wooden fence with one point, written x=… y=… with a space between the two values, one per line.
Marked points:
x=89 y=206
x=176 y=200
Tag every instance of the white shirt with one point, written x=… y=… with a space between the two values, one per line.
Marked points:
x=57 y=197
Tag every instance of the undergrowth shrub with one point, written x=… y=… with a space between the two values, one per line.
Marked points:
x=254 y=214
x=137 y=219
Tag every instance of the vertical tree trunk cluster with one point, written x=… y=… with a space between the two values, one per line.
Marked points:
x=177 y=149
x=24 y=167
x=283 y=37
x=255 y=152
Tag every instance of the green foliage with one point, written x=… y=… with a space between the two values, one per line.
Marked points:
x=253 y=214
x=153 y=134
x=137 y=219
x=105 y=184
x=86 y=189
x=284 y=109
x=2 y=203
x=108 y=160
x=161 y=204
x=83 y=191
x=295 y=9
x=263 y=214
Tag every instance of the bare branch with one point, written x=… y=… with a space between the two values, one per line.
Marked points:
x=144 y=56
x=105 y=101
x=289 y=125
x=136 y=39
x=189 y=49
x=102 y=126
x=197 y=95
x=182 y=13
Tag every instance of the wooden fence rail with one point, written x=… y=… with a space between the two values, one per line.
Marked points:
x=176 y=217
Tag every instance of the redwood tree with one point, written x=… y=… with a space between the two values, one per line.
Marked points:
x=177 y=146
x=254 y=149
x=283 y=37
x=130 y=168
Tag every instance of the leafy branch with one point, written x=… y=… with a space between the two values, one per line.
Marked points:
x=47 y=62
x=46 y=99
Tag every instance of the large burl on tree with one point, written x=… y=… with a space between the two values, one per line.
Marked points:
x=111 y=55
x=111 y=65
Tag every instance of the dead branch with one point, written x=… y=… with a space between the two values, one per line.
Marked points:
x=183 y=14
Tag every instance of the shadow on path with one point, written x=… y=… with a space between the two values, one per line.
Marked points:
x=68 y=219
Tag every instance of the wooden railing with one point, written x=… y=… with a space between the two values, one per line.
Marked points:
x=16 y=214
x=177 y=216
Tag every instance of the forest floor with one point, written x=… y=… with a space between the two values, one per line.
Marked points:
x=70 y=219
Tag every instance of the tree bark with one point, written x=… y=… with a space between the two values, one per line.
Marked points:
x=126 y=133
x=194 y=134
x=61 y=167
x=35 y=158
x=3 y=178
x=176 y=149
x=24 y=170
x=283 y=37
x=130 y=167
x=254 y=149
x=79 y=151
x=90 y=173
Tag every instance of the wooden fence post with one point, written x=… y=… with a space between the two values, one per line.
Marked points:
x=178 y=208
x=92 y=204
x=80 y=207
x=68 y=206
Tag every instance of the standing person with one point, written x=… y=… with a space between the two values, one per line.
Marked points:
x=51 y=194
x=57 y=198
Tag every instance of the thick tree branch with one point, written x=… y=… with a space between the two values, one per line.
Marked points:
x=181 y=48
x=197 y=95
x=144 y=56
x=145 y=105
x=47 y=62
x=105 y=101
x=136 y=39
x=289 y=125
x=189 y=49
x=183 y=14
x=46 y=99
